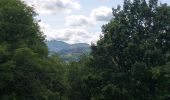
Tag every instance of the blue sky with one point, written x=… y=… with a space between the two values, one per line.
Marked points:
x=74 y=21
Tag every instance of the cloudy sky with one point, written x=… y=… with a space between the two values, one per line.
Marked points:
x=74 y=21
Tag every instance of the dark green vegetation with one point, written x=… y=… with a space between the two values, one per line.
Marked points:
x=26 y=71
x=131 y=61
x=68 y=52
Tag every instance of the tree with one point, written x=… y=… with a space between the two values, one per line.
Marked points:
x=126 y=58
x=76 y=71
x=25 y=68
x=18 y=27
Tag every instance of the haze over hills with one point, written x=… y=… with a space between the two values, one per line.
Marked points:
x=69 y=52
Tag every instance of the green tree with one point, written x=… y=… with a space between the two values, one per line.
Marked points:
x=76 y=71
x=19 y=28
x=26 y=71
x=126 y=58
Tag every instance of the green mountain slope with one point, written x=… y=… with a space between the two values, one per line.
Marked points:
x=69 y=52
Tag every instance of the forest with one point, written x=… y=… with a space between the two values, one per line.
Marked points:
x=130 y=61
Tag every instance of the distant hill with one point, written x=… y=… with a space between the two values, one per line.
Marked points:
x=56 y=46
x=69 y=52
x=80 y=45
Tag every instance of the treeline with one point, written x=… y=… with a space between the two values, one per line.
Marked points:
x=131 y=60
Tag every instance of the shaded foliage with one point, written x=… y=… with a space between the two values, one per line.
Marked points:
x=129 y=62
x=129 y=57
x=26 y=71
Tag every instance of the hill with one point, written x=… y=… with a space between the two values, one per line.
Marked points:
x=69 y=52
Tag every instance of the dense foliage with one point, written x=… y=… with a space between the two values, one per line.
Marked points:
x=26 y=71
x=131 y=61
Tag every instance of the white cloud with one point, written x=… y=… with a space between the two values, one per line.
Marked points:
x=101 y=14
x=69 y=35
x=78 y=21
x=54 y=6
x=79 y=32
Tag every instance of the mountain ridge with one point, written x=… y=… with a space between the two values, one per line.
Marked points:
x=69 y=52
x=57 y=46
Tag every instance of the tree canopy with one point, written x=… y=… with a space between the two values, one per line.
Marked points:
x=130 y=57
x=26 y=71
x=131 y=60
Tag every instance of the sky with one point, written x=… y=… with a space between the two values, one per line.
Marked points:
x=74 y=21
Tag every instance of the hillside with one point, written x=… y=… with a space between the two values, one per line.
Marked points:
x=69 y=52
